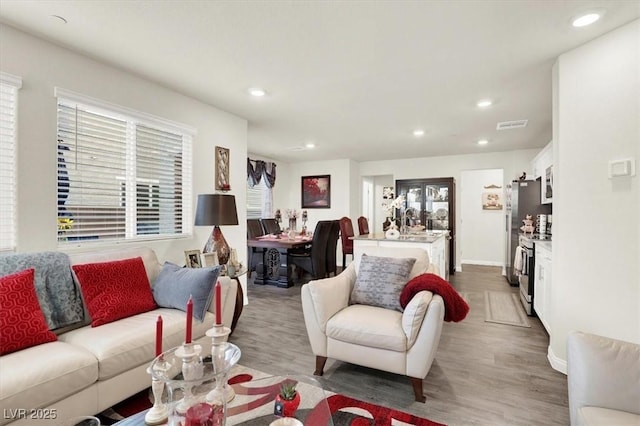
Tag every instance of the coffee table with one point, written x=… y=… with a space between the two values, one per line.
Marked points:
x=254 y=402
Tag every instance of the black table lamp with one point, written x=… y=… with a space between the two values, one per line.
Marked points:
x=215 y=210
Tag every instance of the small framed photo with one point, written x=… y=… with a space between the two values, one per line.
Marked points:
x=316 y=192
x=222 y=169
x=210 y=259
x=192 y=259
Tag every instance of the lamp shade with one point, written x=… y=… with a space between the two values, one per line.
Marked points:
x=216 y=209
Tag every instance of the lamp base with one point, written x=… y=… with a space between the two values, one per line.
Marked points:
x=216 y=243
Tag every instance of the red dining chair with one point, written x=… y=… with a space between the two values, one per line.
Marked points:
x=363 y=225
x=346 y=231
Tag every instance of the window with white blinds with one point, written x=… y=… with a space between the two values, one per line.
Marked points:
x=9 y=86
x=122 y=174
x=255 y=201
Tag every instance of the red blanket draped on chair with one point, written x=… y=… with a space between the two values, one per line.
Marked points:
x=455 y=307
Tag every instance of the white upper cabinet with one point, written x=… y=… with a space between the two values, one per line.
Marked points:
x=542 y=166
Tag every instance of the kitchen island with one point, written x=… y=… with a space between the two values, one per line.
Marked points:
x=432 y=242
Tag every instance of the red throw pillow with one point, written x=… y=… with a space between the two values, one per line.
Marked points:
x=114 y=290
x=22 y=323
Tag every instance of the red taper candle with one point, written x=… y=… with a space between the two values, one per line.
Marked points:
x=159 y=335
x=187 y=339
x=218 y=303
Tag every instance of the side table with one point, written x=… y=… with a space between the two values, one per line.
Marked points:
x=239 y=297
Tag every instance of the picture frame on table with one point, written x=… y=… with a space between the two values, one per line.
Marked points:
x=316 y=192
x=222 y=168
x=193 y=258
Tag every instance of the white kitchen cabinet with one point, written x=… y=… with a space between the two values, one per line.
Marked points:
x=542 y=283
x=542 y=167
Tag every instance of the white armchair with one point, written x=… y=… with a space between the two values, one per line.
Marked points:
x=604 y=380
x=385 y=339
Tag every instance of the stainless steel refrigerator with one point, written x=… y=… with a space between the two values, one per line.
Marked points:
x=523 y=198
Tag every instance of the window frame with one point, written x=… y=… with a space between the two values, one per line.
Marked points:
x=135 y=118
x=9 y=191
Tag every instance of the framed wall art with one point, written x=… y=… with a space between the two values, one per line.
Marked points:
x=316 y=192
x=222 y=169
x=492 y=199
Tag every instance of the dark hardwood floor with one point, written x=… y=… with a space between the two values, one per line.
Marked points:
x=483 y=373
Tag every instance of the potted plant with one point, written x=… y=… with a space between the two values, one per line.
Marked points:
x=288 y=400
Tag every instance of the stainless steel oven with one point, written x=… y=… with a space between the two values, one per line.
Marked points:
x=527 y=273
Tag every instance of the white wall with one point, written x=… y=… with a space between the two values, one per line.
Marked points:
x=342 y=189
x=481 y=236
x=380 y=215
x=512 y=162
x=345 y=192
x=596 y=280
x=43 y=66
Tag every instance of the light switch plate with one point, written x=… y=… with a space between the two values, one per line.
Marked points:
x=622 y=167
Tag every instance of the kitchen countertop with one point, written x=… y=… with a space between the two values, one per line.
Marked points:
x=421 y=237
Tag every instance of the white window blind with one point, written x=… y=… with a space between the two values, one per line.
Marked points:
x=255 y=200
x=122 y=174
x=9 y=86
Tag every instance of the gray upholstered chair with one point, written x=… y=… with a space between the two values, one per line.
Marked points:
x=254 y=230
x=604 y=380
x=332 y=246
x=270 y=226
x=314 y=261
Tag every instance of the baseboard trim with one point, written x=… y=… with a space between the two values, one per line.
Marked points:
x=482 y=263
x=557 y=363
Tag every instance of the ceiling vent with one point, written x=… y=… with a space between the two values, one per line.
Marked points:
x=296 y=148
x=517 y=124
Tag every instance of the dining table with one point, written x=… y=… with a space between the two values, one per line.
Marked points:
x=275 y=268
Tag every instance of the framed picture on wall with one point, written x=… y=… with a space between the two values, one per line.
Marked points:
x=316 y=192
x=491 y=201
x=387 y=193
x=222 y=169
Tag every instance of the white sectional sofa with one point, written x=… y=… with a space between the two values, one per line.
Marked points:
x=89 y=368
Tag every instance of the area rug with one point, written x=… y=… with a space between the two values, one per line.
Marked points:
x=344 y=411
x=504 y=308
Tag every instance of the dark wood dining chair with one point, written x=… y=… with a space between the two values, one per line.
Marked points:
x=346 y=231
x=315 y=260
x=254 y=230
x=270 y=226
x=332 y=246
x=363 y=226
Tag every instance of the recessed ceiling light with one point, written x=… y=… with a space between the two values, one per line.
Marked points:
x=310 y=145
x=483 y=142
x=257 y=92
x=485 y=103
x=418 y=132
x=587 y=18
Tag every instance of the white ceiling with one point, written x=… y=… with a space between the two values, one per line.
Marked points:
x=353 y=77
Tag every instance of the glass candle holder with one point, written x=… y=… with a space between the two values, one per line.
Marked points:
x=189 y=380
